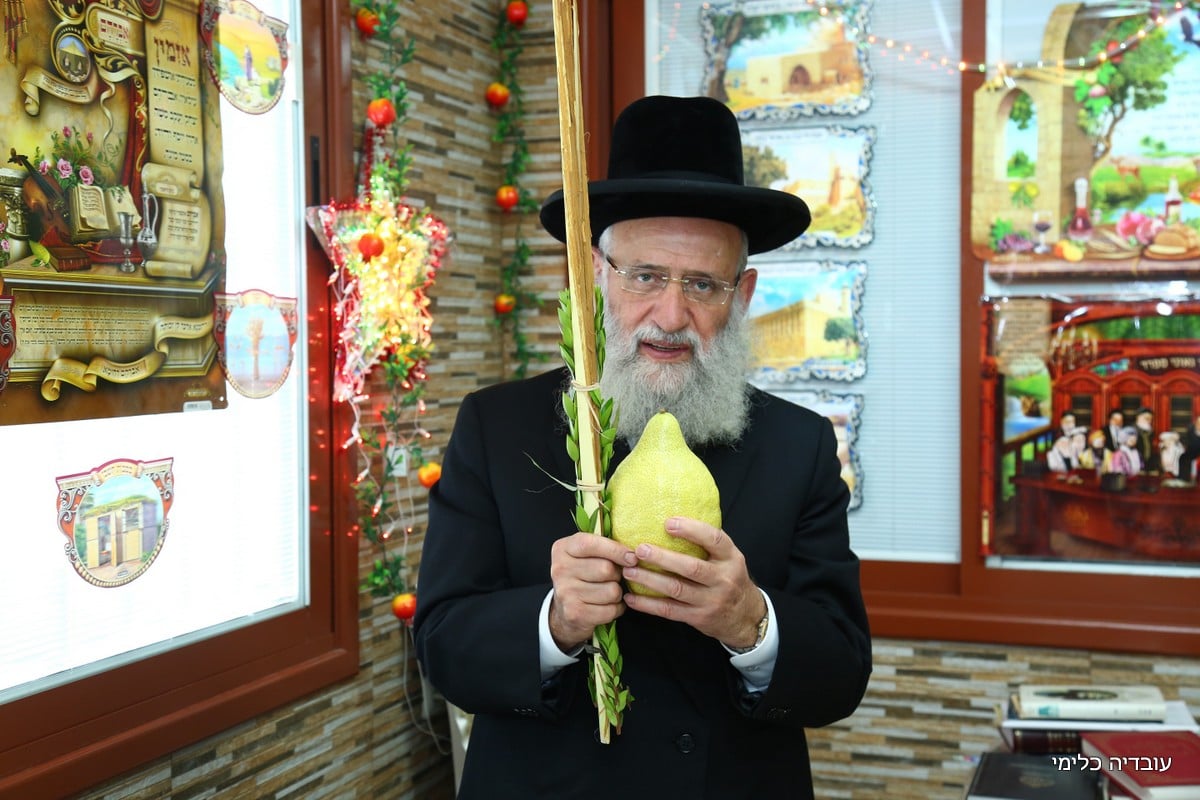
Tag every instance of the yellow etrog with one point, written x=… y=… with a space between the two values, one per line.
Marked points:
x=661 y=478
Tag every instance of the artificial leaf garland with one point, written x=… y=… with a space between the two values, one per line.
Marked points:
x=385 y=253
x=506 y=98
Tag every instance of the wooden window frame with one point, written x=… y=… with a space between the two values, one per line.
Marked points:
x=66 y=739
x=967 y=601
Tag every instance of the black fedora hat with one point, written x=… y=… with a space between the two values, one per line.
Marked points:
x=682 y=157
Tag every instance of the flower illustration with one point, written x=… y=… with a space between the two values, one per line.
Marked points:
x=77 y=158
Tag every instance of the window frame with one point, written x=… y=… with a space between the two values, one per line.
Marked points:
x=965 y=601
x=68 y=738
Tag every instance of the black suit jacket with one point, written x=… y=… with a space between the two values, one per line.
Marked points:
x=692 y=730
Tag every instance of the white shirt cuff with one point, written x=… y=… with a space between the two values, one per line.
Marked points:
x=552 y=659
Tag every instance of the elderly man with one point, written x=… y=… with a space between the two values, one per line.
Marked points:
x=766 y=637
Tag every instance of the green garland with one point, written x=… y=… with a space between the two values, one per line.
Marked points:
x=394 y=445
x=510 y=120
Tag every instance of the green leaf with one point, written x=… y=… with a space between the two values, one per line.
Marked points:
x=581 y=519
x=573 y=450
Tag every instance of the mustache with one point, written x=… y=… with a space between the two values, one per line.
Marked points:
x=651 y=333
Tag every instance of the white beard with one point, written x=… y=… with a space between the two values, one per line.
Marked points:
x=707 y=394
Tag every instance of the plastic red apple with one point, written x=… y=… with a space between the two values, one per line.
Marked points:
x=381 y=112
x=367 y=21
x=370 y=245
x=496 y=94
x=504 y=303
x=517 y=11
x=404 y=606
x=429 y=473
x=507 y=196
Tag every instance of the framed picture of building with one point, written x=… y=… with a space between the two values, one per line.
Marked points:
x=845 y=412
x=833 y=183
x=777 y=60
x=807 y=319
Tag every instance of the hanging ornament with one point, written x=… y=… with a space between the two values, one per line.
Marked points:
x=517 y=11
x=381 y=112
x=496 y=94
x=429 y=473
x=367 y=22
x=507 y=196
x=504 y=303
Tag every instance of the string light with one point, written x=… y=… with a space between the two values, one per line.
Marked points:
x=1001 y=69
x=903 y=51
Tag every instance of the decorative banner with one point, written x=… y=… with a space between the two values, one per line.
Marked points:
x=246 y=53
x=115 y=518
x=255 y=332
x=808 y=324
x=776 y=60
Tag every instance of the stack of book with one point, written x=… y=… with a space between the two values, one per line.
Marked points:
x=1050 y=719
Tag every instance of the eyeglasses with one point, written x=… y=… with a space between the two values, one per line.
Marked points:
x=652 y=280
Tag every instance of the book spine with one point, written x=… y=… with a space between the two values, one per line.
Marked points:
x=1132 y=712
x=1044 y=742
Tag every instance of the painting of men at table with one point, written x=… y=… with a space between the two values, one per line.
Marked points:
x=1105 y=468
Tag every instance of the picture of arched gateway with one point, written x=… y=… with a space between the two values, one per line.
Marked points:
x=1088 y=366
x=115 y=518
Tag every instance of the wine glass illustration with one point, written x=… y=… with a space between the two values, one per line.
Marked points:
x=1043 y=221
x=125 y=237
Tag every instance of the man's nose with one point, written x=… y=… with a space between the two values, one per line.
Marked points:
x=672 y=311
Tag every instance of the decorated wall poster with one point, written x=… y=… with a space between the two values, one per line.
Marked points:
x=845 y=412
x=112 y=197
x=256 y=333
x=1087 y=166
x=807 y=320
x=115 y=518
x=834 y=184
x=777 y=60
x=245 y=52
x=1091 y=429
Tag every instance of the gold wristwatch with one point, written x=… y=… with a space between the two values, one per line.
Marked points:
x=759 y=638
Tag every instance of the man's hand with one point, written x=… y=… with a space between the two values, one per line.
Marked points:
x=586 y=571
x=716 y=597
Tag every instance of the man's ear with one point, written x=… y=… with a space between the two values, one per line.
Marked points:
x=745 y=287
x=598 y=264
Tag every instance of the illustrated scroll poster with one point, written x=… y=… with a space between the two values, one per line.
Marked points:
x=845 y=412
x=114 y=216
x=808 y=324
x=834 y=184
x=1091 y=171
x=779 y=60
x=1091 y=429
